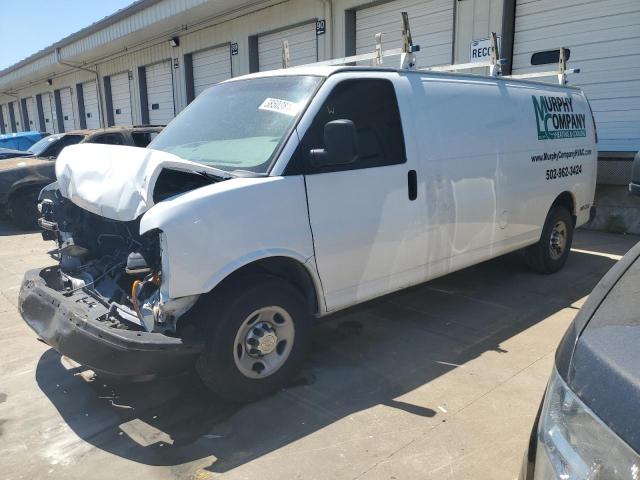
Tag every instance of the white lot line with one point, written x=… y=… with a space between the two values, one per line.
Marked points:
x=599 y=254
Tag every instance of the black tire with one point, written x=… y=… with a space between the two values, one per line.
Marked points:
x=546 y=256
x=23 y=208
x=221 y=315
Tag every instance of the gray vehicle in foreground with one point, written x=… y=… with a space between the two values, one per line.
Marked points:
x=22 y=177
x=588 y=425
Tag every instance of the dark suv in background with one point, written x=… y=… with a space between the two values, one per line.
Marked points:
x=588 y=425
x=22 y=178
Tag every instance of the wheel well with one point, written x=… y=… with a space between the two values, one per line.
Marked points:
x=565 y=199
x=27 y=187
x=283 y=267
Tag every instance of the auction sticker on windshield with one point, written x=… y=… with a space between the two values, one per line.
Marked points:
x=280 y=106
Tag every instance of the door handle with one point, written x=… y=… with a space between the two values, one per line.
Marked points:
x=412 y=182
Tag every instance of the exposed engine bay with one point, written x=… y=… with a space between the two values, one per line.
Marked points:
x=112 y=262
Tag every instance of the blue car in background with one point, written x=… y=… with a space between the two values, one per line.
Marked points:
x=20 y=141
x=11 y=153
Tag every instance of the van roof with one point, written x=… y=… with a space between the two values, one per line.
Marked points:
x=326 y=71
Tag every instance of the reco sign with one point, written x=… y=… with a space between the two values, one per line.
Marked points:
x=480 y=50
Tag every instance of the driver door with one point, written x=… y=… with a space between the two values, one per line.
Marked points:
x=367 y=233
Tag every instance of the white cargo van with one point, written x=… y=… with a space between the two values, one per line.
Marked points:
x=283 y=196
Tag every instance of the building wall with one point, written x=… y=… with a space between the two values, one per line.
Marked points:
x=237 y=30
x=474 y=19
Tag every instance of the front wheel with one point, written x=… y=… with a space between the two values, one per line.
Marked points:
x=257 y=332
x=550 y=254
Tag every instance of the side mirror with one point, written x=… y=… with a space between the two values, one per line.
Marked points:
x=634 y=186
x=341 y=145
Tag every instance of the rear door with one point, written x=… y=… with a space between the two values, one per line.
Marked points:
x=365 y=221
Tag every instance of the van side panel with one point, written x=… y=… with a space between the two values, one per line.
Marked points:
x=552 y=150
x=492 y=162
x=459 y=169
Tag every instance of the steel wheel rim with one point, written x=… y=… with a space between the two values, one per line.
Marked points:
x=263 y=342
x=558 y=240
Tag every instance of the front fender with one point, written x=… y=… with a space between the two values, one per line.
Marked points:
x=210 y=232
x=18 y=179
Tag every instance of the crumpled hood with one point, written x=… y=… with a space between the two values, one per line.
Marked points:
x=21 y=162
x=115 y=181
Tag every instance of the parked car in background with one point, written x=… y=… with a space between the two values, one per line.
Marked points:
x=22 y=178
x=588 y=425
x=21 y=140
x=276 y=198
x=11 y=153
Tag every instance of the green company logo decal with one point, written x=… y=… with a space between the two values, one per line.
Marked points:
x=555 y=118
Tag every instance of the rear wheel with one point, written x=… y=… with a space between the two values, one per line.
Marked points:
x=23 y=208
x=550 y=254
x=257 y=336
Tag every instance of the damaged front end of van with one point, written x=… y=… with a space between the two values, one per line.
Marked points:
x=161 y=251
x=106 y=303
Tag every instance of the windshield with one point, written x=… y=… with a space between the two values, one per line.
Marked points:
x=238 y=125
x=40 y=146
x=52 y=145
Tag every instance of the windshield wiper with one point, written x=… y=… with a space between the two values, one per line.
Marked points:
x=215 y=176
x=248 y=174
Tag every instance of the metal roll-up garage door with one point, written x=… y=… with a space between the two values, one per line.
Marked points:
x=604 y=42
x=32 y=114
x=160 y=93
x=210 y=67
x=47 y=112
x=431 y=27
x=303 y=47
x=66 y=102
x=5 y=118
x=17 y=118
x=91 y=108
x=121 y=99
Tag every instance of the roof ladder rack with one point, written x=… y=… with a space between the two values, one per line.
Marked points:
x=561 y=73
x=406 y=52
x=408 y=58
x=494 y=63
x=408 y=55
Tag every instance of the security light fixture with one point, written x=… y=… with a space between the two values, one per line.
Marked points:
x=174 y=41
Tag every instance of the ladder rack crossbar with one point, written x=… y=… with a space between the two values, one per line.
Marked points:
x=456 y=66
x=355 y=58
x=548 y=73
